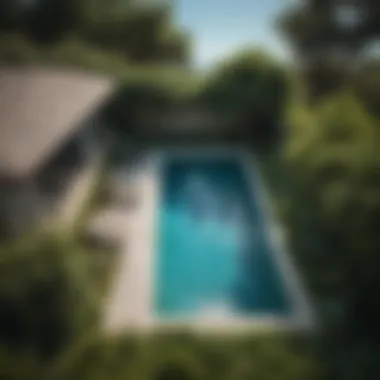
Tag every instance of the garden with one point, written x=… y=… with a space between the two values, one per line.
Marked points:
x=315 y=130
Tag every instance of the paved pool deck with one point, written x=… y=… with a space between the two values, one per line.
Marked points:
x=130 y=304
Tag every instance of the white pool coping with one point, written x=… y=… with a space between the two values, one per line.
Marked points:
x=131 y=305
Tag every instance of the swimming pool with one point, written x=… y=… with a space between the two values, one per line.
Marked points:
x=202 y=250
x=213 y=257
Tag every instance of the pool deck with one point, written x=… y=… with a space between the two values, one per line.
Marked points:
x=130 y=304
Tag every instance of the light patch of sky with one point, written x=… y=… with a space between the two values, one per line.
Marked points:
x=220 y=27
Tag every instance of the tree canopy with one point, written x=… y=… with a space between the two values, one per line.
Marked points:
x=330 y=39
x=253 y=87
x=139 y=32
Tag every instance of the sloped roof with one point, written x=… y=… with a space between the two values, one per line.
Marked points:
x=39 y=108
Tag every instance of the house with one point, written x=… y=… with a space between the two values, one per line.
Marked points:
x=50 y=140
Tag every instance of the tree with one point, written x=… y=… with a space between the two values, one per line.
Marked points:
x=11 y=15
x=253 y=88
x=139 y=32
x=329 y=37
x=144 y=34
x=340 y=27
x=336 y=164
x=50 y=21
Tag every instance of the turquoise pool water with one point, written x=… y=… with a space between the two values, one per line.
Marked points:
x=212 y=254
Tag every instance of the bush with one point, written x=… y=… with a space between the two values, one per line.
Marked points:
x=45 y=299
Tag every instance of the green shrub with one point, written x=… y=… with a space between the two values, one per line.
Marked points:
x=45 y=296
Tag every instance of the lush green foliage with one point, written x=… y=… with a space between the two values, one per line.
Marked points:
x=331 y=211
x=252 y=87
x=330 y=39
x=183 y=356
x=249 y=79
x=45 y=296
x=314 y=25
x=137 y=32
x=335 y=152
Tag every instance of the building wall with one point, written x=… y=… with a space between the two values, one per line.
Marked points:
x=59 y=187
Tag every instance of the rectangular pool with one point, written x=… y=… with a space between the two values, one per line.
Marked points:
x=213 y=256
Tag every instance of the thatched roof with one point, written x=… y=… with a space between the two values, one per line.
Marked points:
x=39 y=108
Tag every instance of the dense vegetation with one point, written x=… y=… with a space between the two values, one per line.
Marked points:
x=46 y=297
x=324 y=178
x=254 y=88
x=333 y=209
x=332 y=217
x=126 y=29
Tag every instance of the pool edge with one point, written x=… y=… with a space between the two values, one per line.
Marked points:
x=144 y=319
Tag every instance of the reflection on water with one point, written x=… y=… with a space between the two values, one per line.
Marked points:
x=207 y=202
x=200 y=197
